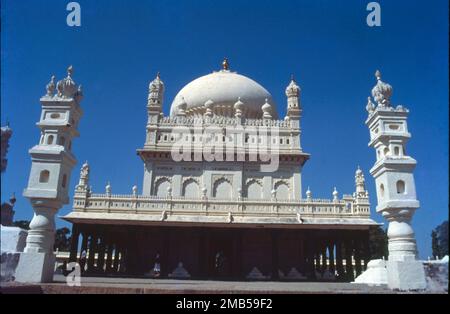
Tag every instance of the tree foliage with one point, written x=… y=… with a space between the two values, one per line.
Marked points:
x=378 y=243
x=439 y=240
x=23 y=224
x=62 y=239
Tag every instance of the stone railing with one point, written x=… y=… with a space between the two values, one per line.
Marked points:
x=358 y=207
x=221 y=121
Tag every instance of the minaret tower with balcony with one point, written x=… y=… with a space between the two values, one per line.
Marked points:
x=52 y=163
x=396 y=192
x=293 y=115
x=154 y=108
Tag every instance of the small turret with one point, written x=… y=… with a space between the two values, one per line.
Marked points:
x=238 y=108
x=155 y=99
x=360 y=183
x=267 y=110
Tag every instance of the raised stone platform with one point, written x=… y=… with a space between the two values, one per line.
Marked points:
x=170 y=286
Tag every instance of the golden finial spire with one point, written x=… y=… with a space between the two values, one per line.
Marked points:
x=225 y=65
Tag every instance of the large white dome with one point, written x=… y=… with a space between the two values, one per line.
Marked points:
x=223 y=88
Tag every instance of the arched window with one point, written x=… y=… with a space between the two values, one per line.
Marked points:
x=64 y=181
x=70 y=145
x=282 y=191
x=222 y=189
x=50 y=139
x=44 y=176
x=161 y=187
x=254 y=190
x=190 y=189
x=400 y=187
x=62 y=141
x=386 y=151
x=396 y=151
x=381 y=190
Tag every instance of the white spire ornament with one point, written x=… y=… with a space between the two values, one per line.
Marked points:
x=382 y=91
x=293 y=94
x=335 y=195
x=156 y=91
x=181 y=108
x=267 y=110
x=308 y=194
x=370 y=107
x=51 y=87
x=238 y=108
x=209 y=105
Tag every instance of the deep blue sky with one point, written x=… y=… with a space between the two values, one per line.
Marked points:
x=326 y=44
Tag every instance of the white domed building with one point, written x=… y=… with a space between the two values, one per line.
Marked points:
x=222 y=195
x=223 y=89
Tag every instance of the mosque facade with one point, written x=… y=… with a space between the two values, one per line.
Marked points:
x=222 y=195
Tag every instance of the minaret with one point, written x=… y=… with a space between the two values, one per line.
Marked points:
x=154 y=108
x=293 y=98
x=396 y=192
x=360 y=184
x=294 y=109
x=361 y=195
x=52 y=161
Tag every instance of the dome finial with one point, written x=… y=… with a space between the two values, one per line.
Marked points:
x=292 y=77
x=225 y=64
x=158 y=75
x=378 y=74
x=382 y=91
x=70 y=71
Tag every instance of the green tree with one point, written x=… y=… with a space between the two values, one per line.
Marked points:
x=378 y=243
x=439 y=240
x=24 y=224
x=62 y=239
x=434 y=243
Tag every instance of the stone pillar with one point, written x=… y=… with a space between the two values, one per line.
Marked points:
x=37 y=262
x=101 y=254
x=74 y=243
x=332 y=267
x=109 y=255
x=274 y=237
x=116 y=258
x=302 y=253
x=339 y=265
x=84 y=248
x=323 y=253
x=52 y=161
x=91 y=255
x=357 y=253
x=395 y=186
x=348 y=258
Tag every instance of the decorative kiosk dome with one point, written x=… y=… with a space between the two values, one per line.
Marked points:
x=223 y=89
